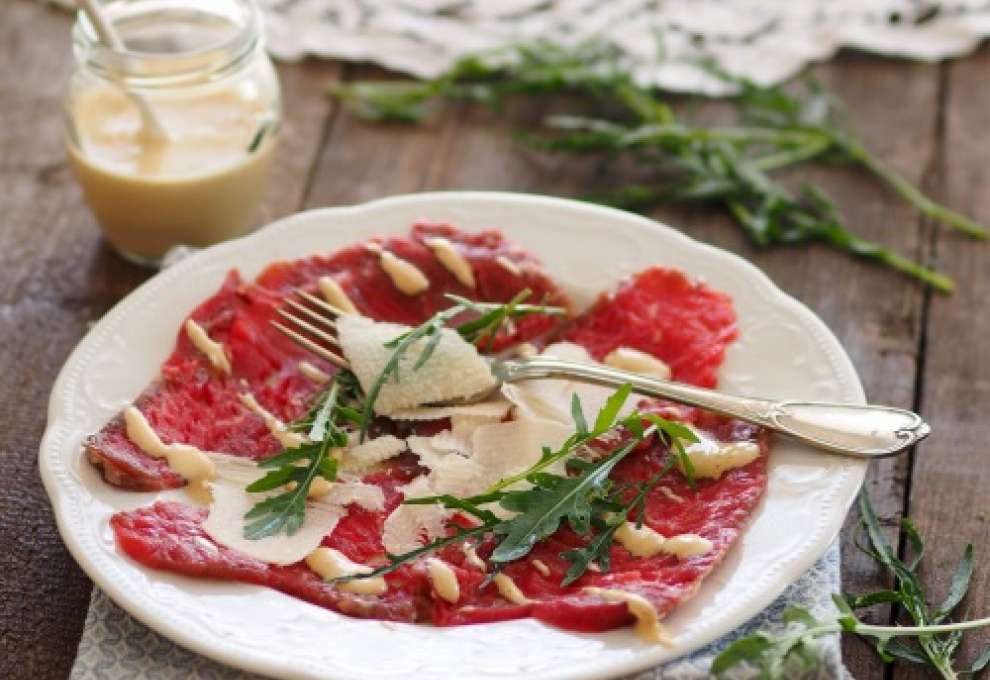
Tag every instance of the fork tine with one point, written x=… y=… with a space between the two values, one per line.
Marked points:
x=308 y=311
x=322 y=304
x=307 y=326
x=313 y=347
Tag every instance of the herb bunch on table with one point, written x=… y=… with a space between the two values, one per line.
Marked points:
x=728 y=166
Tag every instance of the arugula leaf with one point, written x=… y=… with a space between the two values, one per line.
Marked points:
x=936 y=642
x=552 y=500
x=286 y=511
x=726 y=165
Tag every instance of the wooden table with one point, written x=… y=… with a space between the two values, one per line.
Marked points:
x=912 y=348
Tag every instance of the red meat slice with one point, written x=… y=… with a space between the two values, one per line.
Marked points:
x=660 y=312
x=195 y=404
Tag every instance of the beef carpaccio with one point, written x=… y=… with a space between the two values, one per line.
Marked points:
x=659 y=312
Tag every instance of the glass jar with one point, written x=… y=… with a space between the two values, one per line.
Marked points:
x=201 y=68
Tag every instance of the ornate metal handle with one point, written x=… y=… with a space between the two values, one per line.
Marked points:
x=847 y=429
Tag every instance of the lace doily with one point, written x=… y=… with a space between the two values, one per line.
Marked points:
x=765 y=40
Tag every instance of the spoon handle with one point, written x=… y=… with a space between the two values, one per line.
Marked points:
x=862 y=431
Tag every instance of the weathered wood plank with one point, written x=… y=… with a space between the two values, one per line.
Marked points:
x=874 y=312
x=951 y=475
x=56 y=277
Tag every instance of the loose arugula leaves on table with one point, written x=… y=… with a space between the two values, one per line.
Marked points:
x=286 y=511
x=586 y=498
x=425 y=337
x=793 y=653
x=728 y=166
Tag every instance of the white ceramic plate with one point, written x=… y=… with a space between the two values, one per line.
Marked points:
x=784 y=350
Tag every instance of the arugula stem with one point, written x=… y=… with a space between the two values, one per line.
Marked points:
x=910 y=193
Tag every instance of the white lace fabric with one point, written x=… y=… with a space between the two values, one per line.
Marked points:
x=660 y=40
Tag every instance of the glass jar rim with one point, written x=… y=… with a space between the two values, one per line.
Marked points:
x=141 y=68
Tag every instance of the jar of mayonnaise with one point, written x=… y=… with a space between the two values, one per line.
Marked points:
x=200 y=66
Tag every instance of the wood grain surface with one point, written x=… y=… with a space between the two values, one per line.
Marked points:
x=912 y=348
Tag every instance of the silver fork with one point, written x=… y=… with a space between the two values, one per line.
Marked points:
x=862 y=431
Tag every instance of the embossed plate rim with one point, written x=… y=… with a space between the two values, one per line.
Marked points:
x=82 y=502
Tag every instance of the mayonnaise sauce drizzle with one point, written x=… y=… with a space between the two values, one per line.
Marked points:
x=404 y=274
x=331 y=564
x=334 y=294
x=647 y=625
x=444 y=580
x=452 y=259
x=204 y=343
x=192 y=463
x=314 y=372
x=508 y=589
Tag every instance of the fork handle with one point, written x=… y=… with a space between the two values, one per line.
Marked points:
x=862 y=431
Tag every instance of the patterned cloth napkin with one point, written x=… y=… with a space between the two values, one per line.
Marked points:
x=114 y=646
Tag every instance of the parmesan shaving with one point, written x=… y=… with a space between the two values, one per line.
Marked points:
x=404 y=274
x=670 y=494
x=455 y=370
x=334 y=294
x=451 y=259
x=508 y=589
x=225 y=525
x=551 y=399
x=410 y=526
x=542 y=568
x=635 y=361
x=367 y=496
x=647 y=625
x=287 y=438
x=331 y=564
x=444 y=580
x=213 y=350
x=496 y=409
x=372 y=452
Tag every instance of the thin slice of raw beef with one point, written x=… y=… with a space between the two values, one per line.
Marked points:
x=196 y=404
x=658 y=311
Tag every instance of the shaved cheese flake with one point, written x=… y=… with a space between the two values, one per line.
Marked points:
x=455 y=370
x=670 y=494
x=496 y=409
x=711 y=459
x=450 y=473
x=640 y=541
x=451 y=259
x=542 y=568
x=204 y=343
x=551 y=399
x=647 y=625
x=334 y=294
x=508 y=589
x=410 y=526
x=225 y=525
x=287 y=438
x=687 y=545
x=193 y=464
x=314 y=373
x=444 y=580
x=367 y=496
x=370 y=453
x=404 y=274
x=330 y=564
x=504 y=449
x=635 y=361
